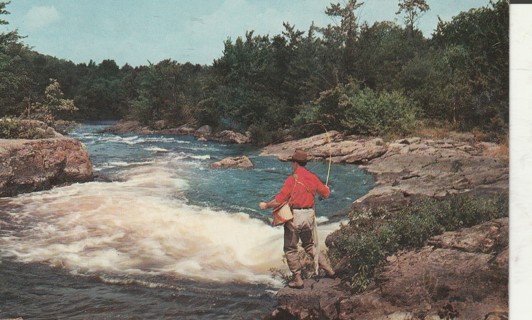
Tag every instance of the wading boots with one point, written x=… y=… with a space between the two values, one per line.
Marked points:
x=297 y=283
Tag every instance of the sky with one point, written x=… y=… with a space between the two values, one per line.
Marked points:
x=139 y=32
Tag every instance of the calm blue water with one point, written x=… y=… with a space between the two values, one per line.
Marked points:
x=167 y=237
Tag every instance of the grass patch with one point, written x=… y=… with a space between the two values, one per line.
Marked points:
x=369 y=237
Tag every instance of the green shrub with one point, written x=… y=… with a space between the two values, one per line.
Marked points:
x=378 y=113
x=361 y=111
x=13 y=128
x=369 y=237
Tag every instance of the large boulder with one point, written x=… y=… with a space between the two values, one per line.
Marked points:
x=31 y=165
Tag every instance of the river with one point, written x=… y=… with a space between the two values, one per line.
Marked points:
x=165 y=237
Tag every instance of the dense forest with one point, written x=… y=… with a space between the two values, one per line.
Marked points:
x=379 y=79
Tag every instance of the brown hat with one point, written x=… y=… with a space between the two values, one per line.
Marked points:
x=299 y=156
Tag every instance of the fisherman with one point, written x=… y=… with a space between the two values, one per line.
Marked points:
x=299 y=190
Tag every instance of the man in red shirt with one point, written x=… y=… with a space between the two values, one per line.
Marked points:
x=300 y=190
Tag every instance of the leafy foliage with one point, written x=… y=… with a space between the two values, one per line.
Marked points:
x=52 y=105
x=348 y=75
x=361 y=111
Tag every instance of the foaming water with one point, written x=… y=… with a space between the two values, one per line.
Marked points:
x=168 y=232
x=141 y=226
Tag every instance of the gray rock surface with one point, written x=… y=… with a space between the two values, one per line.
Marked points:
x=410 y=168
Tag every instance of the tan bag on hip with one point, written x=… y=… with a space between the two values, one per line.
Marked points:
x=282 y=214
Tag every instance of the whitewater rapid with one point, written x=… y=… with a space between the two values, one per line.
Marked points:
x=142 y=225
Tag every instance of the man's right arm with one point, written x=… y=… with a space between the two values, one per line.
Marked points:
x=281 y=197
x=322 y=189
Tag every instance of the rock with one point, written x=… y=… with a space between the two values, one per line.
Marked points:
x=439 y=281
x=458 y=274
x=203 y=131
x=319 y=299
x=351 y=151
x=123 y=127
x=427 y=168
x=160 y=125
x=186 y=129
x=64 y=126
x=286 y=149
x=467 y=279
x=228 y=136
x=408 y=169
x=46 y=133
x=481 y=238
x=31 y=165
x=237 y=162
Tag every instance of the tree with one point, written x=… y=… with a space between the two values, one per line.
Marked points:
x=412 y=9
x=11 y=36
x=53 y=104
x=342 y=38
x=14 y=76
x=482 y=37
x=384 y=49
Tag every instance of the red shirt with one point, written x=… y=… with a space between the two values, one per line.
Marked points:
x=301 y=193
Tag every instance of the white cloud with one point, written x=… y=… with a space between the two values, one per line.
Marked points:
x=41 y=16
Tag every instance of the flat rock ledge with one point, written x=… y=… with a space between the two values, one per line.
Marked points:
x=32 y=165
x=242 y=162
x=457 y=275
x=410 y=168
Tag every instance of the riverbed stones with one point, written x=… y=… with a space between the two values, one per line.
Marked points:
x=124 y=127
x=228 y=136
x=242 y=162
x=31 y=165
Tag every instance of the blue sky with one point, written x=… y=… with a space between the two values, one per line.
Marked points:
x=136 y=31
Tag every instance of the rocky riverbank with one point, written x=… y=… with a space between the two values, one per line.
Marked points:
x=457 y=275
x=162 y=127
x=33 y=165
x=410 y=168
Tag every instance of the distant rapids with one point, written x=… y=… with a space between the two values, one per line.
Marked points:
x=166 y=237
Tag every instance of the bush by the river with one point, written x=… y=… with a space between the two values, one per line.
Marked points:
x=362 y=111
x=13 y=128
x=369 y=237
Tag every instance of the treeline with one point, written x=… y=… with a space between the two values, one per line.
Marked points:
x=350 y=76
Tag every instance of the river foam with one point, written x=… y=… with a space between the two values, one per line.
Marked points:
x=142 y=225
